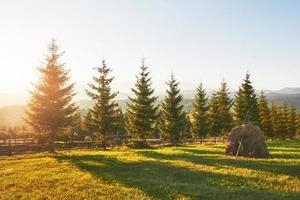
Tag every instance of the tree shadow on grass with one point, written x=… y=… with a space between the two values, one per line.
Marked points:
x=160 y=180
x=277 y=168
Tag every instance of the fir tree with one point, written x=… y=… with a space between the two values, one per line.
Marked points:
x=283 y=121
x=51 y=109
x=142 y=112
x=172 y=119
x=275 y=119
x=298 y=125
x=199 y=121
x=219 y=114
x=106 y=112
x=188 y=126
x=265 y=117
x=214 y=118
x=245 y=106
x=292 y=121
x=88 y=124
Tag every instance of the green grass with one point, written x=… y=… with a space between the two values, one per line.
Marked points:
x=186 y=172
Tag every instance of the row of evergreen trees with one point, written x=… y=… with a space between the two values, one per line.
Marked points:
x=52 y=110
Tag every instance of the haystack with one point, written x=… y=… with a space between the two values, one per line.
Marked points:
x=248 y=140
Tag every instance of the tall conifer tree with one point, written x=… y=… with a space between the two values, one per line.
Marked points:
x=172 y=119
x=142 y=112
x=292 y=121
x=51 y=109
x=265 y=117
x=88 y=125
x=298 y=125
x=214 y=118
x=105 y=115
x=199 y=121
x=283 y=121
x=219 y=114
x=275 y=119
x=245 y=106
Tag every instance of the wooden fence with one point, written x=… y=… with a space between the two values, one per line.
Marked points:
x=24 y=145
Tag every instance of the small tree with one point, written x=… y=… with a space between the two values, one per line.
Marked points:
x=199 y=121
x=51 y=109
x=265 y=116
x=142 y=112
x=172 y=118
x=105 y=115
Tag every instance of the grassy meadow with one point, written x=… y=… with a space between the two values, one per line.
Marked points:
x=185 y=172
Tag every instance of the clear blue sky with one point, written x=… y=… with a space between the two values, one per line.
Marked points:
x=197 y=40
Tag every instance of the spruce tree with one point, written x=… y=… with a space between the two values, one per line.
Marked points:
x=199 y=121
x=214 y=118
x=219 y=114
x=51 y=109
x=172 y=119
x=88 y=124
x=265 y=117
x=298 y=125
x=106 y=112
x=225 y=104
x=275 y=119
x=292 y=121
x=283 y=121
x=245 y=106
x=142 y=113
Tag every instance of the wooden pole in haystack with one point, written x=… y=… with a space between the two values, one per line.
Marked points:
x=238 y=151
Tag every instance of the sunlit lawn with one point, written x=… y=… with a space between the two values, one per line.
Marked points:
x=187 y=172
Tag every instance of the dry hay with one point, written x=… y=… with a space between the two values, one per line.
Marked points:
x=253 y=142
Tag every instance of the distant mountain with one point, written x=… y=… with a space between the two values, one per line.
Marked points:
x=289 y=98
x=288 y=90
x=13 y=115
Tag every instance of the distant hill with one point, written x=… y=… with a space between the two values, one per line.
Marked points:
x=288 y=90
x=13 y=115
x=289 y=98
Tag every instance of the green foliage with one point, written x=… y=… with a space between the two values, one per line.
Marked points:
x=172 y=119
x=265 y=116
x=199 y=121
x=283 y=121
x=51 y=109
x=245 y=105
x=105 y=117
x=275 y=119
x=88 y=123
x=292 y=121
x=298 y=125
x=142 y=112
x=219 y=114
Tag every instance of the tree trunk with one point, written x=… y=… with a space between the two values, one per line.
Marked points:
x=51 y=148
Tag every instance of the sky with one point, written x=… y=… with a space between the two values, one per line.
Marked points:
x=198 y=41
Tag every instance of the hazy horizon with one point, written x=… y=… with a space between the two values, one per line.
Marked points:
x=203 y=41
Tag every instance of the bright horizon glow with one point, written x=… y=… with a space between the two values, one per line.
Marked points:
x=196 y=40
